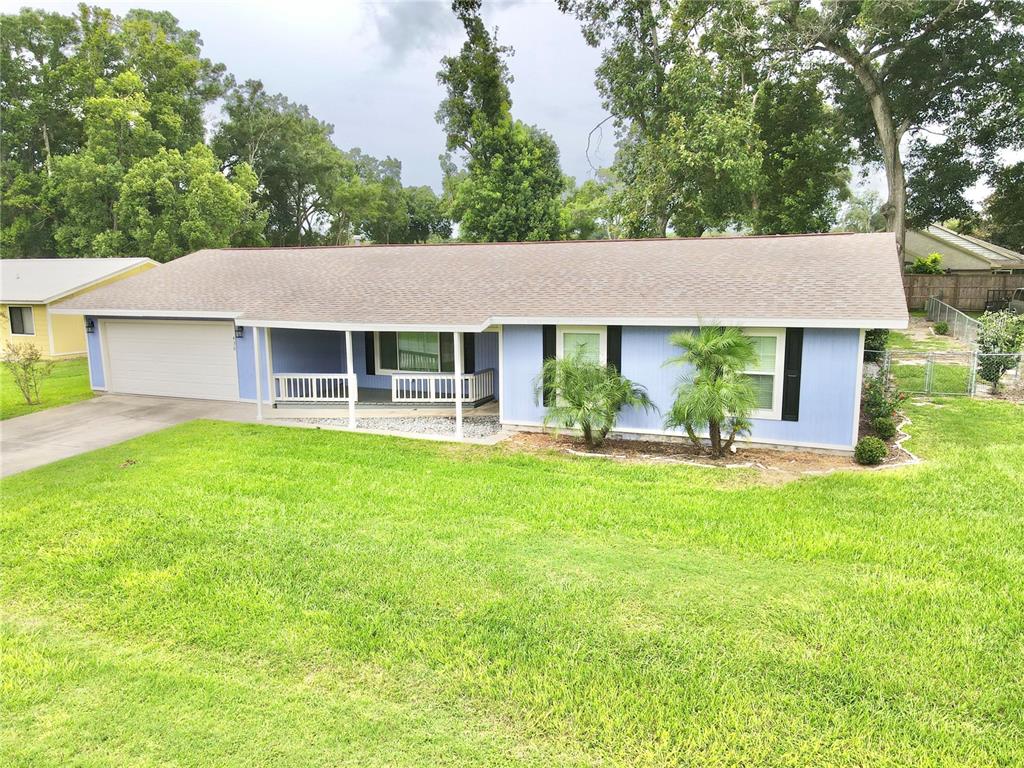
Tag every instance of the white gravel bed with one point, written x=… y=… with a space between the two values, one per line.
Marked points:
x=472 y=426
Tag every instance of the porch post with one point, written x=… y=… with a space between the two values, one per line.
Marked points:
x=458 y=384
x=259 y=373
x=352 y=385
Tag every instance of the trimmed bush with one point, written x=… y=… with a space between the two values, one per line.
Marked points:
x=875 y=342
x=884 y=427
x=941 y=328
x=870 y=451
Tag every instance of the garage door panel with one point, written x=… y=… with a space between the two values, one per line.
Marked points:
x=175 y=359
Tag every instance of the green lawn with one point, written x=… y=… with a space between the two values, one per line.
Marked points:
x=947 y=378
x=221 y=594
x=68 y=383
x=900 y=342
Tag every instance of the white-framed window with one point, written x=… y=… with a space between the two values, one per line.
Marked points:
x=414 y=352
x=766 y=372
x=590 y=341
x=21 y=321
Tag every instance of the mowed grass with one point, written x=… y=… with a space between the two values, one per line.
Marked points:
x=220 y=594
x=68 y=383
x=947 y=378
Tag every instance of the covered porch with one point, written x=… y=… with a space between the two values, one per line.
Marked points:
x=325 y=372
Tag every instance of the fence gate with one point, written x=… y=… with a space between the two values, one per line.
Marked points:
x=932 y=373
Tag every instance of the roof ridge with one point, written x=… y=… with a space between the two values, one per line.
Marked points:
x=535 y=242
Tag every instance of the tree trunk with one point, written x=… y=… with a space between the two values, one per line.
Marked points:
x=46 y=144
x=715 y=433
x=888 y=137
x=588 y=435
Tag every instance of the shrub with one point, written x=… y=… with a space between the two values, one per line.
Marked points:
x=875 y=343
x=870 y=451
x=587 y=396
x=941 y=328
x=927 y=265
x=717 y=395
x=881 y=398
x=28 y=368
x=1000 y=336
x=885 y=427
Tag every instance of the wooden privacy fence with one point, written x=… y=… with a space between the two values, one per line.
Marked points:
x=965 y=292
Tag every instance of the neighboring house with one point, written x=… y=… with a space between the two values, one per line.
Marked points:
x=29 y=286
x=304 y=331
x=961 y=253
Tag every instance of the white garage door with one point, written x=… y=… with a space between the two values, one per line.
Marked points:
x=175 y=359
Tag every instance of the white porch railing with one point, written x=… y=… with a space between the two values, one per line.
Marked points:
x=312 y=387
x=440 y=387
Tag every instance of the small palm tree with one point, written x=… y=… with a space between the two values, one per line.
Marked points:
x=587 y=396
x=716 y=395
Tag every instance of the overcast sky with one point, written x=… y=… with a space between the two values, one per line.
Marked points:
x=370 y=69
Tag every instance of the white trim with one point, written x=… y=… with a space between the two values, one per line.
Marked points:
x=259 y=373
x=682 y=435
x=49 y=328
x=501 y=374
x=353 y=382
x=775 y=412
x=671 y=322
x=270 y=368
x=696 y=322
x=158 y=314
x=382 y=371
x=457 y=340
x=600 y=330
x=859 y=386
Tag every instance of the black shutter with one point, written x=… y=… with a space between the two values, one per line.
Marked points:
x=469 y=353
x=548 y=352
x=388 y=350
x=615 y=346
x=791 y=374
x=371 y=363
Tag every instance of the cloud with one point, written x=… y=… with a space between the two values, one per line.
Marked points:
x=407 y=27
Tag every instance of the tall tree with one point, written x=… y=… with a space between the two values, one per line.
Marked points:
x=511 y=184
x=914 y=69
x=60 y=72
x=804 y=175
x=296 y=164
x=1005 y=208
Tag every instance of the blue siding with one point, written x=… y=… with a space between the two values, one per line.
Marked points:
x=377 y=381
x=827 y=389
x=485 y=347
x=306 y=351
x=522 y=348
x=246 y=369
x=96 y=378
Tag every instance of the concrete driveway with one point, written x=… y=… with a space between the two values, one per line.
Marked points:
x=39 y=438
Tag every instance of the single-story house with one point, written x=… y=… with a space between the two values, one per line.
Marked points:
x=460 y=326
x=961 y=254
x=29 y=286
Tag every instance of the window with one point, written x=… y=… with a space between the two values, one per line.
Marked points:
x=21 y=321
x=766 y=371
x=590 y=342
x=416 y=352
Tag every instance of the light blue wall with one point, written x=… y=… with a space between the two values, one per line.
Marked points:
x=96 y=378
x=246 y=369
x=376 y=381
x=522 y=347
x=306 y=351
x=485 y=347
x=827 y=386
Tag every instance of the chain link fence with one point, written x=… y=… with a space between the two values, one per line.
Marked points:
x=948 y=373
x=961 y=326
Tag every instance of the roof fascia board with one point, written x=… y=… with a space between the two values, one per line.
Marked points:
x=107 y=276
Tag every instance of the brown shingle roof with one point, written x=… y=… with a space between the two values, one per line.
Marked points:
x=841 y=280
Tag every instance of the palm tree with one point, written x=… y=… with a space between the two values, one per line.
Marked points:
x=716 y=394
x=587 y=396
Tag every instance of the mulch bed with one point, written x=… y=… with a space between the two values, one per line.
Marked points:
x=780 y=464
